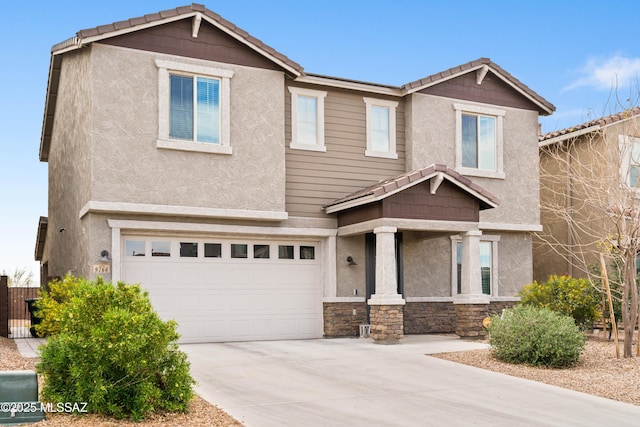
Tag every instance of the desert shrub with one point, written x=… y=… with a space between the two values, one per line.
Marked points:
x=565 y=295
x=52 y=303
x=535 y=336
x=116 y=354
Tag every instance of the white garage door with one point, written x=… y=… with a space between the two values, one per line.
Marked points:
x=229 y=290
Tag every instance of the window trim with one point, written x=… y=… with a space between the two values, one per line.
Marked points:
x=625 y=143
x=320 y=140
x=494 y=239
x=391 y=105
x=484 y=111
x=165 y=67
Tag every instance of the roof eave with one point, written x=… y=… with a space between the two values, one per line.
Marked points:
x=547 y=107
x=371 y=197
x=79 y=41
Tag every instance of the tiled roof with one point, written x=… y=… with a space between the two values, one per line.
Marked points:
x=602 y=121
x=478 y=63
x=104 y=31
x=398 y=183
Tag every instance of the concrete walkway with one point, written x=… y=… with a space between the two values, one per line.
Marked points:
x=28 y=347
x=353 y=382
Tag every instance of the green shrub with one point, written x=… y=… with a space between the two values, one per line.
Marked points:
x=52 y=303
x=116 y=354
x=565 y=295
x=535 y=336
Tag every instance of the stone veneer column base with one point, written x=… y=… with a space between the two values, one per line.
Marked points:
x=343 y=319
x=387 y=323
x=469 y=319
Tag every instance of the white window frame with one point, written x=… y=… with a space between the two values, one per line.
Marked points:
x=319 y=96
x=626 y=143
x=165 y=67
x=484 y=111
x=391 y=105
x=494 y=239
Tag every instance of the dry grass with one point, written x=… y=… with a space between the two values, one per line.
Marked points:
x=201 y=413
x=598 y=371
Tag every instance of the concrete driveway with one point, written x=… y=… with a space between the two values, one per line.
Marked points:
x=353 y=382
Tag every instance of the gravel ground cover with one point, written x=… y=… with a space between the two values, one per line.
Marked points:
x=598 y=371
x=201 y=413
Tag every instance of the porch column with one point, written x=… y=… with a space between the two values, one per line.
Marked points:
x=386 y=311
x=472 y=306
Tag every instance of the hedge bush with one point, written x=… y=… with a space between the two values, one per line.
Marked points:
x=535 y=336
x=116 y=354
x=565 y=295
x=52 y=303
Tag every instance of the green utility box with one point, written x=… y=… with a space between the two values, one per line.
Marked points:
x=19 y=398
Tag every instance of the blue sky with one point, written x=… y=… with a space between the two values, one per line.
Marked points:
x=582 y=56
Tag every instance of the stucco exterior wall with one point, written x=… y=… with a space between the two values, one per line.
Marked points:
x=350 y=277
x=427 y=265
x=127 y=166
x=515 y=263
x=70 y=169
x=430 y=138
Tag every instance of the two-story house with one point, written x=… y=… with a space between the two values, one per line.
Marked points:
x=256 y=201
x=589 y=177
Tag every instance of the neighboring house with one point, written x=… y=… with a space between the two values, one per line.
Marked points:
x=585 y=171
x=256 y=201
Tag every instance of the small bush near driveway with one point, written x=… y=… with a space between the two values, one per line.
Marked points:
x=116 y=354
x=535 y=336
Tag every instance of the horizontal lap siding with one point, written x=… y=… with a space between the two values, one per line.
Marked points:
x=314 y=179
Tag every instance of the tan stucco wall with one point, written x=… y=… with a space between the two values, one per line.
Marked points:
x=350 y=277
x=515 y=263
x=70 y=169
x=430 y=138
x=427 y=265
x=127 y=166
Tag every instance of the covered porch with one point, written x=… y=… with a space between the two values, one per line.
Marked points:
x=429 y=204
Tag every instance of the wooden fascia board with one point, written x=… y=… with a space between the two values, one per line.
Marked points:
x=363 y=87
x=568 y=136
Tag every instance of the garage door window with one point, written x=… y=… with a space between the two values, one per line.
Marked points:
x=160 y=248
x=213 y=250
x=238 y=250
x=307 y=252
x=285 y=252
x=134 y=248
x=188 y=250
x=261 y=251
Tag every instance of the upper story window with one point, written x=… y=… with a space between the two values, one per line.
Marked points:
x=630 y=161
x=307 y=119
x=194 y=107
x=381 y=128
x=479 y=141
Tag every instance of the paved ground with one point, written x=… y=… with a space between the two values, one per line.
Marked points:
x=353 y=382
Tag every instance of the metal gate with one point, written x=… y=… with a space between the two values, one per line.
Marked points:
x=15 y=319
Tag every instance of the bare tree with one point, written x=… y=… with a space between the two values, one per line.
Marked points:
x=590 y=203
x=20 y=278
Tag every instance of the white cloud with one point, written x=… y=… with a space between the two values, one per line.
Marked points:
x=607 y=73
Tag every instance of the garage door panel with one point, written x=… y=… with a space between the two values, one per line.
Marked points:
x=218 y=299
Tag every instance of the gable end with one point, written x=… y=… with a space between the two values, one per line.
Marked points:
x=492 y=90
x=176 y=38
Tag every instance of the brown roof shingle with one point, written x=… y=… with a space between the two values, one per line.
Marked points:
x=602 y=121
